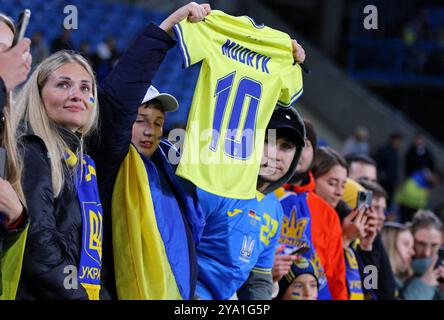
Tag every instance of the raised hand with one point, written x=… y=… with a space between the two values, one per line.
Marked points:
x=298 y=51
x=371 y=230
x=431 y=276
x=10 y=206
x=353 y=226
x=15 y=64
x=193 y=11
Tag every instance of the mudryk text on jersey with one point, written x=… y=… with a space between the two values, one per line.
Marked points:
x=246 y=56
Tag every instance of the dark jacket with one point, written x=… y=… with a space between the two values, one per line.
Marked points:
x=378 y=257
x=418 y=159
x=55 y=234
x=388 y=162
x=119 y=100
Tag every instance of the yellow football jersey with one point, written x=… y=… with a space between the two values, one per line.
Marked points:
x=247 y=69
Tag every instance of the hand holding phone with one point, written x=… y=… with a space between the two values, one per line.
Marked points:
x=22 y=25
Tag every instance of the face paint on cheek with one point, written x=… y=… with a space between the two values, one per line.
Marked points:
x=296 y=296
x=92 y=101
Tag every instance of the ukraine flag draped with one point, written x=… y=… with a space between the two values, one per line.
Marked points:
x=142 y=269
x=12 y=267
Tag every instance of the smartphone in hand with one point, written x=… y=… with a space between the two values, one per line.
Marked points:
x=296 y=250
x=440 y=257
x=364 y=197
x=22 y=25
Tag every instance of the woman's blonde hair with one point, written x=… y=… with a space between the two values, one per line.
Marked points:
x=34 y=114
x=9 y=135
x=389 y=237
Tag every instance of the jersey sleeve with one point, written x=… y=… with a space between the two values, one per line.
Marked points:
x=208 y=202
x=194 y=40
x=292 y=88
x=266 y=259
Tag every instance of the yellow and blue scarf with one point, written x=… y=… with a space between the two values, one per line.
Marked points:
x=354 y=274
x=92 y=222
x=353 y=277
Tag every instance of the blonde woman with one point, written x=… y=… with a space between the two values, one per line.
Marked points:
x=398 y=242
x=14 y=67
x=63 y=252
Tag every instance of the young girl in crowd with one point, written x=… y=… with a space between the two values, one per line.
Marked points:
x=300 y=283
x=330 y=173
x=398 y=242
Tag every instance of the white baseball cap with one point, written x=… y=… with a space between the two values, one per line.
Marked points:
x=169 y=103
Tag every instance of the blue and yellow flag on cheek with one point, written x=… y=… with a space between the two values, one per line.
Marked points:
x=92 y=224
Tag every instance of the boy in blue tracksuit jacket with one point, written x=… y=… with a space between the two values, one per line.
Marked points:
x=119 y=99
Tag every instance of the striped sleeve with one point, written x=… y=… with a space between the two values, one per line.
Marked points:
x=261 y=270
x=194 y=39
x=292 y=87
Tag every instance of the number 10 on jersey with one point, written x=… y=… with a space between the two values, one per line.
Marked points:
x=236 y=148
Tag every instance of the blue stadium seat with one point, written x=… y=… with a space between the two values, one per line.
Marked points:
x=435 y=17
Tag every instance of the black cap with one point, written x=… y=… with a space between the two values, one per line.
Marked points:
x=289 y=119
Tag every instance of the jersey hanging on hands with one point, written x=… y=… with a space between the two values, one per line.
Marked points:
x=247 y=69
